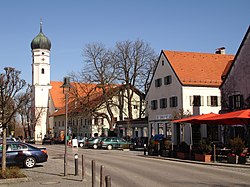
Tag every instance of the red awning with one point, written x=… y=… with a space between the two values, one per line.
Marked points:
x=240 y=117
x=195 y=119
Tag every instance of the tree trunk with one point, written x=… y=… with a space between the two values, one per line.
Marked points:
x=4 y=154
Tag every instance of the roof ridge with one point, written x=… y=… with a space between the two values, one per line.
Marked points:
x=193 y=52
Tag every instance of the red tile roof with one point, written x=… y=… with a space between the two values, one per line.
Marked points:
x=56 y=94
x=88 y=94
x=198 y=69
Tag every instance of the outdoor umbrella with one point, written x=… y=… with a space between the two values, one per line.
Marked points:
x=195 y=119
x=240 y=117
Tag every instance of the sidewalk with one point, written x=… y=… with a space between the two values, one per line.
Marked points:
x=47 y=174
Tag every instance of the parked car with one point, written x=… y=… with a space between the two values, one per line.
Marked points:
x=81 y=141
x=8 y=139
x=113 y=142
x=93 y=142
x=47 y=140
x=30 y=140
x=23 y=154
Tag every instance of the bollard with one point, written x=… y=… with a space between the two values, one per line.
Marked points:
x=93 y=173
x=159 y=148
x=101 y=176
x=214 y=153
x=108 y=181
x=76 y=164
x=145 y=146
x=83 y=168
x=172 y=149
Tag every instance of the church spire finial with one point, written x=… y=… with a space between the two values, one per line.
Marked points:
x=41 y=25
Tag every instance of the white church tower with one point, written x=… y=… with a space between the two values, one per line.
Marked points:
x=40 y=46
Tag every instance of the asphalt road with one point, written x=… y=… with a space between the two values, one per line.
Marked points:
x=131 y=169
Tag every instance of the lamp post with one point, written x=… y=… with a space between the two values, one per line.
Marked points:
x=66 y=88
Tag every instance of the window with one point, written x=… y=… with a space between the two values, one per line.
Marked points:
x=135 y=107
x=154 y=104
x=196 y=100
x=173 y=101
x=163 y=103
x=162 y=63
x=158 y=82
x=42 y=71
x=168 y=80
x=213 y=101
x=236 y=101
x=96 y=121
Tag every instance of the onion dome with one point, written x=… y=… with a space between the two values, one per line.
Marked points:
x=41 y=41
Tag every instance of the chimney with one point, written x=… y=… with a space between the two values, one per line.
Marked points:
x=221 y=50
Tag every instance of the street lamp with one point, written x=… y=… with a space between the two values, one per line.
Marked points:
x=66 y=88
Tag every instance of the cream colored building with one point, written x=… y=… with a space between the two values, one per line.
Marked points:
x=184 y=83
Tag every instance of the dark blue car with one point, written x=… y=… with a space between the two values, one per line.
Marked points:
x=23 y=154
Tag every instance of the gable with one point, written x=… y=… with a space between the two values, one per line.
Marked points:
x=198 y=69
x=241 y=60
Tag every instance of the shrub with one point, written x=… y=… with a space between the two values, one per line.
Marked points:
x=183 y=147
x=12 y=172
x=204 y=147
x=237 y=145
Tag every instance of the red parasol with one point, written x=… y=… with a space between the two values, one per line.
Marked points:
x=240 y=117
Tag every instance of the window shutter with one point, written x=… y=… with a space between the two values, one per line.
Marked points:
x=219 y=100
x=202 y=100
x=191 y=98
x=231 y=102
x=208 y=100
x=241 y=101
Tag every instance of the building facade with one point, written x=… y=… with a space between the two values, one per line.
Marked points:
x=184 y=83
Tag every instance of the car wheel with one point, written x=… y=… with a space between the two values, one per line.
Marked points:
x=95 y=146
x=109 y=147
x=81 y=144
x=29 y=162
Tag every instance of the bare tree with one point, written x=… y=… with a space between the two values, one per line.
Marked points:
x=101 y=69
x=25 y=114
x=10 y=102
x=136 y=64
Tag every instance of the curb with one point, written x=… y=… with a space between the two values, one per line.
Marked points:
x=198 y=162
x=15 y=180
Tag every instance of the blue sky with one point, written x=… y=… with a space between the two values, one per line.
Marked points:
x=182 y=25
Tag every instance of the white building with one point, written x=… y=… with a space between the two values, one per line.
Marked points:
x=40 y=46
x=184 y=83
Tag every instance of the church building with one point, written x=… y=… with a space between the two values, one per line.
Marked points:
x=40 y=47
